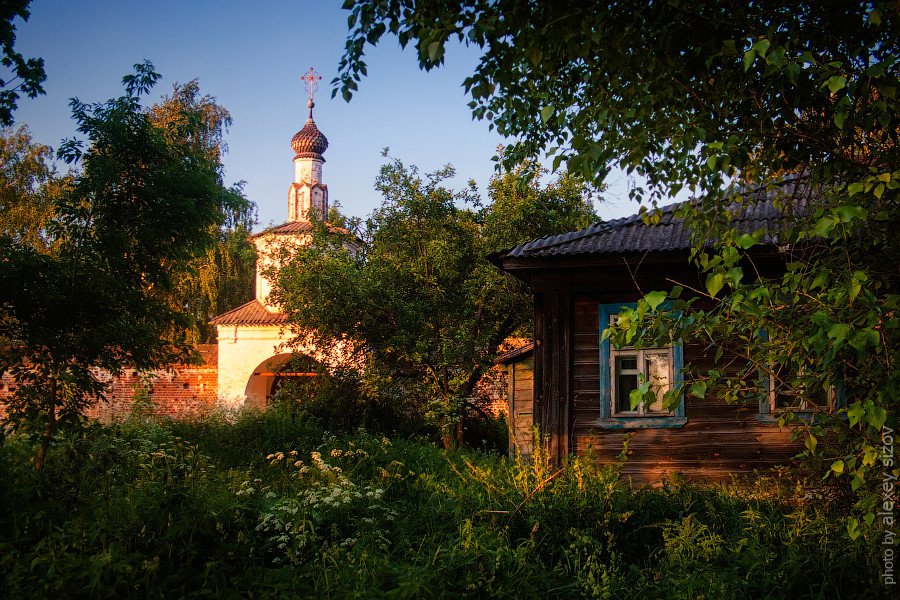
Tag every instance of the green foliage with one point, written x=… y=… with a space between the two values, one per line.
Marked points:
x=21 y=75
x=416 y=300
x=29 y=188
x=138 y=207
x=224 y=276
x=798 y=99
x=271 y=506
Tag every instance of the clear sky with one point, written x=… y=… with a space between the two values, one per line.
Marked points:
x=249 y=55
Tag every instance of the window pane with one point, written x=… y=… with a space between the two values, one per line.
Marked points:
x=785 y=399
x=657 y=368
x=628 y=363
x=817 y=397
x=624 y=385
x=626 y=375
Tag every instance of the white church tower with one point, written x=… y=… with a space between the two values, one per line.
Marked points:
x=308 y=195
x=252 y=338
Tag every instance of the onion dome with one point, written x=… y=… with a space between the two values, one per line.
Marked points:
x=309 y=141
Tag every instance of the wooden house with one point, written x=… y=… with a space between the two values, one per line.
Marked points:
x=580 y=280
x=519 y=364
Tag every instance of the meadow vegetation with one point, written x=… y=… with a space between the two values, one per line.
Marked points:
x=275 y=505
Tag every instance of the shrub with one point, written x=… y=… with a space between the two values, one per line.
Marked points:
x=273 y=505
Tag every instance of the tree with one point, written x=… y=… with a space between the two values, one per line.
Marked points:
x=29 y=186
x=219 y=280
x=139 y=206
x=718 y=98
x=25 y=74
x=418 y=300
x=223 y=277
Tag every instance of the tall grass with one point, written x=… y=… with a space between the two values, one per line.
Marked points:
x=274 y=506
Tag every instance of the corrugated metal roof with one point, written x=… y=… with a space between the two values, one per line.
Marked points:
x=295 y=227
x=251 y=313
x=515 y=355
x=756 y=209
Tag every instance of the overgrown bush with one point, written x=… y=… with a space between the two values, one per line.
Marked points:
x=342 y=401
x=274 y=506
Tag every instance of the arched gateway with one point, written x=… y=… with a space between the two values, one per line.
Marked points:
x=252 y=338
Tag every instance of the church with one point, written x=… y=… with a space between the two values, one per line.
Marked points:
x=253 y=338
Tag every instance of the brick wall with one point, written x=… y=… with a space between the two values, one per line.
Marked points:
x=190 y=391
x=490 y=392
x=184 y=392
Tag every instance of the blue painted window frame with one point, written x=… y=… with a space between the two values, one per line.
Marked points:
x=607 y=420
x=765 y=413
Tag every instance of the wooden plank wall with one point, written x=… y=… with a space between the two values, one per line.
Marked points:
x=718 y=440
x=521 y=403
x=552 y=371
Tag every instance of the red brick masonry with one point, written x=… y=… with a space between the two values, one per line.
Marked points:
x=184 y=392
x=190 y=391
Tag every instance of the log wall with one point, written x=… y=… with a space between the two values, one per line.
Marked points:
x=718 y=440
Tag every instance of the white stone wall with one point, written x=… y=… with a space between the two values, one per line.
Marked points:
x=241 y=350
x=270 y=250
x=245 y=350
x=308 y=170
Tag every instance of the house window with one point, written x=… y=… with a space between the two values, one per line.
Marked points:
x=776 y=399
x=630 y=368
x=623 y=370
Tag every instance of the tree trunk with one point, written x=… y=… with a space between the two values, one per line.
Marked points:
x=50 y=428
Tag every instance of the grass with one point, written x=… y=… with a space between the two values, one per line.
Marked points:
x=273 y=506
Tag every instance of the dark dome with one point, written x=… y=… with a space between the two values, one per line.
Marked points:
x=309 y=141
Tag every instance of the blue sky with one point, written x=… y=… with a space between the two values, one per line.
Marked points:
x=250 y=56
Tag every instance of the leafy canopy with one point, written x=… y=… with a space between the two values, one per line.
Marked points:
x=19 y=75
x=418 y=299
x=796 y=98
x=140 y=204
x=223 y=277
x=29 y=186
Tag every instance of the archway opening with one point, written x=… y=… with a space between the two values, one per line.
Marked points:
x=297 y=379
x=294 y=374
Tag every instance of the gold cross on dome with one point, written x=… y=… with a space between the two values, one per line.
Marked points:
x=312 y=79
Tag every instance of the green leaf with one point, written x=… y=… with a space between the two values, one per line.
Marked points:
x=433 y=50
x=534 y=55
x=839 y=332
x=745 y=241
x=749 y=55
x=839 y=119
x=824 y=226
x=877 y=417
x=855 y=413
x=698 y=389
x=853 y=527
x=762 y=46
x=714 y=283
x=636 y=396
x=547 y=112
x=810 y=443
x=836 y=83
x=837 y=466
x=855 y=287
x=654 y=299
x=848 y=213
